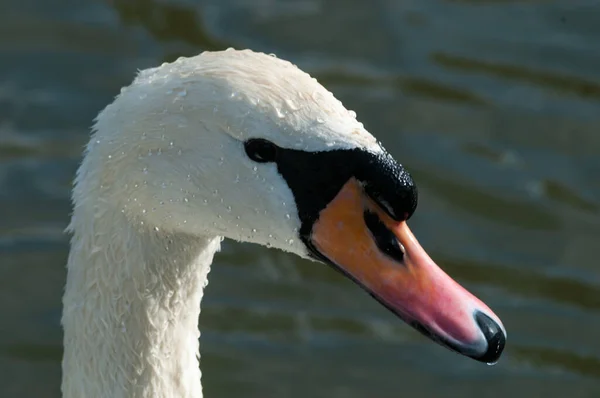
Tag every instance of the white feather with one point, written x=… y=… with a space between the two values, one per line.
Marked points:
x=164 y=178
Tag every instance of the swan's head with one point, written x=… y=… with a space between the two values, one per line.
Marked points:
x=247 y=146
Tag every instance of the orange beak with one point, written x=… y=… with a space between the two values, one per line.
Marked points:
x=384 y=257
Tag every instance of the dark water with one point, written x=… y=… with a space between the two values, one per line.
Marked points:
x=494 y=106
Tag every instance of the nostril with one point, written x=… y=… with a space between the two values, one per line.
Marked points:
x=494 y=335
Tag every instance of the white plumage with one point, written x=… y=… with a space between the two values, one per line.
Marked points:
x=164 y=178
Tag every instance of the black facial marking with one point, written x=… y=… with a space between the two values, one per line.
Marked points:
x=261 y=151
x=389 y=185
x=315 y=178
x=385 y=240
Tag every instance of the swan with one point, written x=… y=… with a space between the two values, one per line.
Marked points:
x=240 y=145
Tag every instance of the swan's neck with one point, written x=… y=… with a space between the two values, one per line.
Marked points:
x=131 y=308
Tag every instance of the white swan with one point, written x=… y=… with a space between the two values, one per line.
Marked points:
x=245 y=146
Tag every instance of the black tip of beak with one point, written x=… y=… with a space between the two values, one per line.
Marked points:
x=494 y=335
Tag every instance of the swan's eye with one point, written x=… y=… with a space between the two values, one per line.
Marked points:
x=261 y=151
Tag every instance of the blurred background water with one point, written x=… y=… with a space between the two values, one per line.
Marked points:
x=494 y=106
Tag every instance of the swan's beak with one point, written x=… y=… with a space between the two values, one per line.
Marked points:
x=383 y=256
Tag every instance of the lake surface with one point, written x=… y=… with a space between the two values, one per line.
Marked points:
x=494 y=106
